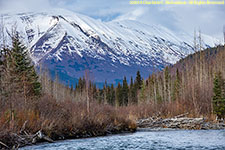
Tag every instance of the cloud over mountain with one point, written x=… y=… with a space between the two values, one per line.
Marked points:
x=208 y=18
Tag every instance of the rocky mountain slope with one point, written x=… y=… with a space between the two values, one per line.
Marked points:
x=68 y=43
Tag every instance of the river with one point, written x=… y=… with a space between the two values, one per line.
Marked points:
x=144 y=140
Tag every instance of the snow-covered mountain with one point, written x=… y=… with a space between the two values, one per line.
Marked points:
x=69 y=43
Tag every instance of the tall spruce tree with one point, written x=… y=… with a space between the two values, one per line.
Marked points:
x=18 y=77
x=26 y=77
x=132 y=93
x=125 y=91
x=119 y=95
x=142 y=96
x=167 y=84
x=112 y=95
x=176 y=86
x=138 y=80
x=218 y=97
x=108 y=94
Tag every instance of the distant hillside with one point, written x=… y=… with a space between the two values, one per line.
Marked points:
x=188 y=84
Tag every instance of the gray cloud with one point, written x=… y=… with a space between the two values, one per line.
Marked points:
x=23 y=5
x=210 y=19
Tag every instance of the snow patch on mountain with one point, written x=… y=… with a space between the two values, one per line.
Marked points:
x=71 y=43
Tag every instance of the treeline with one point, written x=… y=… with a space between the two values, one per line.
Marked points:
x=186 y=86
x=121 y=95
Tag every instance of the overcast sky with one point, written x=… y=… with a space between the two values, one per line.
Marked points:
x=209 y=18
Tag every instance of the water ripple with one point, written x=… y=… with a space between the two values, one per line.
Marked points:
x=160 y=140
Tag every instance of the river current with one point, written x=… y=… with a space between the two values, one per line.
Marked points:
x=144 y=140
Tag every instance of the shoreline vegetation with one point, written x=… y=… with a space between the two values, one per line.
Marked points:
x=102 y=120
x=109 y=125
x=35 y=108
x=52 y=121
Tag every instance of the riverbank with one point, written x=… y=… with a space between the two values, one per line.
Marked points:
x=49 y=120
x=10 y=140
x=179 y=122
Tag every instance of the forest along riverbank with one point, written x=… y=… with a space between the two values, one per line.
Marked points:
x=16 y=140
x=180 y=122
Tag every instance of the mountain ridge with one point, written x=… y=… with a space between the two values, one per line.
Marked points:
x=69 y=43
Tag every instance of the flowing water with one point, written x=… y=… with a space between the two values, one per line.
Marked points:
x=146 y=140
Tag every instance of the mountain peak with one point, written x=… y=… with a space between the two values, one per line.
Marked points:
x=69 y=43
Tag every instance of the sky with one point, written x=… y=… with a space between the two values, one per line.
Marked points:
x=210 y=19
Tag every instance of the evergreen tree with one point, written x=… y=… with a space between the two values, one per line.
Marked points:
x=22 y=70
x=130 y=90
x=35 y=84
x=119 y=98
x=132 y=93
x=159 y=89
x=151 y=88
x=18 y=77
x=138 y=80
x=125 y=92
x=131 y=82
x=142 y=93
x=218 y=98
x=167 y=84
x=100 y=96
x=95 y=92
x=108 y=94
x=80 y=85
x=111 y=94
x=177 y=86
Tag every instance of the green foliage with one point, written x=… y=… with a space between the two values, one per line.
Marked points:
x=110 y=95
x=24 y=69
x=138 y=81
x=125 y=92
x=167 y=83
x=35 y=84
x=119 y=95
x=176 y=86
x=18 y=71
x=132 y=92
x=219 y=96
x=142 y=98
x=81 y=85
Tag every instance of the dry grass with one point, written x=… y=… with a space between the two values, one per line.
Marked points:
x=69 y=119
x=64 y=119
